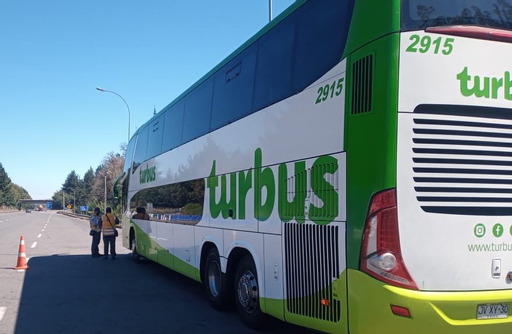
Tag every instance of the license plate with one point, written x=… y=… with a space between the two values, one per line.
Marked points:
x=492 y=311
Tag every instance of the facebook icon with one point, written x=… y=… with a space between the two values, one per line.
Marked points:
x=497 y=230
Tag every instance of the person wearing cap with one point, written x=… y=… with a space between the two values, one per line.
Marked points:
x=95 y=233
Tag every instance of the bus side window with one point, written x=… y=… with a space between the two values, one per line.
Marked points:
x=234 y=89
x=198 y=107
x=320 y=40
x=128 y=159
x=273 y=80
x=155 y=137
x=173 y=126
x=141 y=148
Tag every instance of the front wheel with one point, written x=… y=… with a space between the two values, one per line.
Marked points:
x=247 y=296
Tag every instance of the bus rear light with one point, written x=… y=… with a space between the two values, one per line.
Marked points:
x=381 y=256
x=474 y=32
x=385 y=261
x=400 y=311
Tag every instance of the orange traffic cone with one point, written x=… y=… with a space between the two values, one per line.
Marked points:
x=22 y=256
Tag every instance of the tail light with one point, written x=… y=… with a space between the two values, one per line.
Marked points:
x=381 y=256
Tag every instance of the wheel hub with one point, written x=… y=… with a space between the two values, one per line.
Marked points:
x=248 y=291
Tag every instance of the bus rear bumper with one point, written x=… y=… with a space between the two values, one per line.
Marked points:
x=370 y=303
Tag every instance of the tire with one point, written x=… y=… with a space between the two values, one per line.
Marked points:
x=136 y=257
x=214 y=281
x=247 y=297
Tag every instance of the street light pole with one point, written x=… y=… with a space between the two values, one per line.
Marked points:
x=105 y=192
x=269 y=10
x=111 y=91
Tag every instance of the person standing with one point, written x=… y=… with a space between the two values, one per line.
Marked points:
x=109 y=222
x=95 y=233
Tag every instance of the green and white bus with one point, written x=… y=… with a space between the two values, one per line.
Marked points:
x=347 y=169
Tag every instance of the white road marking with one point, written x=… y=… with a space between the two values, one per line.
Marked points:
x=2 y=312
x=34 y=245
x=39 y=236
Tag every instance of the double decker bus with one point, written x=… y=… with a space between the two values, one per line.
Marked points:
x=347 y=169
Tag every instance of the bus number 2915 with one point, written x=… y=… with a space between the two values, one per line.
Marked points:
x=329 y=91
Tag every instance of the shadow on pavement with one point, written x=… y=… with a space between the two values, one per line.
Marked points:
x=79 y=294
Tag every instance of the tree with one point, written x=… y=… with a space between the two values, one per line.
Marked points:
x=71 y=186
x=71 y=182
x=57 y=200
x=19 y=193
x=88 y=184
x=105 y=176
x=6 y=195
x=91 y=190
x=10 y=193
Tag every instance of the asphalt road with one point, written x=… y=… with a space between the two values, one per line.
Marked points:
x=66 y=291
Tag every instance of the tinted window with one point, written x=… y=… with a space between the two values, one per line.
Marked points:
x=420 y=14
x=198 y=106
x=129 y=154
x=173 y=126
x=234 y=87
x=141 y=148
x=155 y=137
x=281 y=63
x=275 y=66
x=322 y=30
x=179 y=203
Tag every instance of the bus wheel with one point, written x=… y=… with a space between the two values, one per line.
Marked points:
x=214 y=281
x=247 y=293
x=136 y=257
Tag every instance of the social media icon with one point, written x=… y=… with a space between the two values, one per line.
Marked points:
x=497 y=230
x=479 y=230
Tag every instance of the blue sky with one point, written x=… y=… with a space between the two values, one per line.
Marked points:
x=54 y=53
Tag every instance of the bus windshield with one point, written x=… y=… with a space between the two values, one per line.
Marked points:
x=421 y=14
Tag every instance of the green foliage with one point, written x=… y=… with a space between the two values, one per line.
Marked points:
x=57 y=200
x=94 y=189
x=10 y=193
x=193 y=209
x=19 y=193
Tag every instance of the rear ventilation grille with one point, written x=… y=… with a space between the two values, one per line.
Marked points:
x=362 y=72
x=462 y=160
x=312 y=264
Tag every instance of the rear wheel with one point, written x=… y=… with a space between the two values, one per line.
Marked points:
x=133 y=242
x=214 y=280
x=247 y=296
